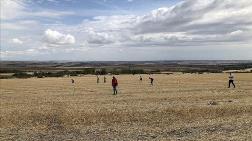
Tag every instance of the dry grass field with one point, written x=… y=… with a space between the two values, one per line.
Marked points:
x=177 y=107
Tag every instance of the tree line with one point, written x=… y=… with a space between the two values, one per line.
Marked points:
x=94 y=71
x=86 y=71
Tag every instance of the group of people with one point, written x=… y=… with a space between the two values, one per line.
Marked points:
x=115 y=82
x=151 y=79
x=98 y=79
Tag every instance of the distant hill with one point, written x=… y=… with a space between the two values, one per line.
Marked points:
x=174 y=65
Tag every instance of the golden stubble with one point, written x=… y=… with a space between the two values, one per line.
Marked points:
x=177 y=107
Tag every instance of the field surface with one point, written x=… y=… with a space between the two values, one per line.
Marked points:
x=177 y=107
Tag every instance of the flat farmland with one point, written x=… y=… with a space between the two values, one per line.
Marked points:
x=177 y=107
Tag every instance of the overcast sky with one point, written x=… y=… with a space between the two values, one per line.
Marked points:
x=126 y=30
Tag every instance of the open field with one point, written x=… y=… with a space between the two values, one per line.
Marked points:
x=177 y=107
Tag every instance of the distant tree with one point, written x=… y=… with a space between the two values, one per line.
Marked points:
x=138 y=71
x=21 y=75
x=88 y=71
x=9 y=71
x=38 y=74
x=103 y=71
x=115 y=71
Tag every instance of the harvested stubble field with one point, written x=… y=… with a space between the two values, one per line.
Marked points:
x=177 y=107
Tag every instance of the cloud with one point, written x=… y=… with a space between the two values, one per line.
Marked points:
x=100 y=38
x=55 y=38
x=17 y=41
x=236 y=33
x=188 y=23
x=202 y=16
x=19 y=25
x=50 y=14
x=17 y=9
x=11 y=9
x=10 y=54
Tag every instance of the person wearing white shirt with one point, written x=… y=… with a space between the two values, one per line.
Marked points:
x=231 y=80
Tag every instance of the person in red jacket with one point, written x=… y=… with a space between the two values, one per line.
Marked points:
x=114 y=85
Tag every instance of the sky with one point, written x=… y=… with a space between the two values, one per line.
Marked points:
x=125 y=30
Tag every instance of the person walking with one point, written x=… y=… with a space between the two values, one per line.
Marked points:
x=151 y=80
x=114 y=85
x=231 y=80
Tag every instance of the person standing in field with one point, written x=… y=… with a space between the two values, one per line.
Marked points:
x=104 y=79
x=97 y=79
x=141 y=79
x=151 y=80
x=231 y=80
x=72 y=80
x=114 y=85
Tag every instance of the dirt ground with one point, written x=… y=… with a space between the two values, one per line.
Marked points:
x=177 y=107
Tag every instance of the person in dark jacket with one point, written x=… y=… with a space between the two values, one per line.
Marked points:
x=151 y=80
x=104 y=79
x=140 y=78
x=114 y=85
